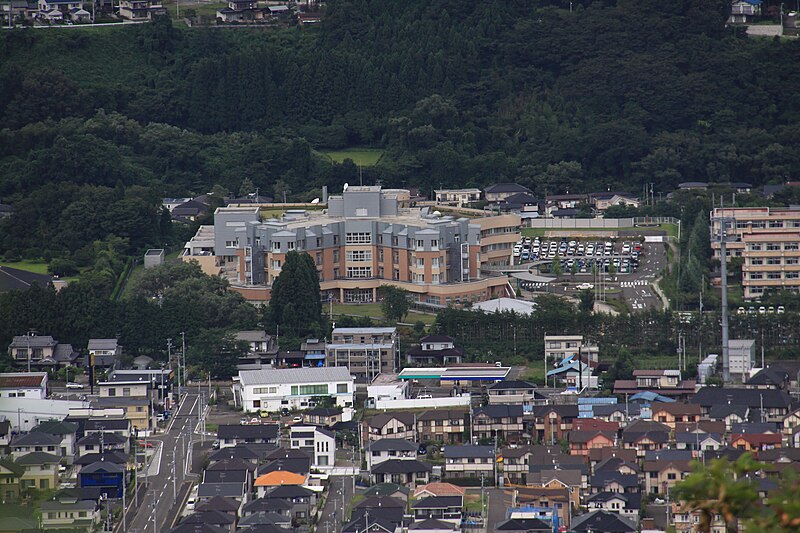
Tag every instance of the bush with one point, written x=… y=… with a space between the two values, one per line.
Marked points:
x=62 y=267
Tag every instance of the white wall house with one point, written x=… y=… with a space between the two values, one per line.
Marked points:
x=319 y=442
x=23 y=385
x=292 y=388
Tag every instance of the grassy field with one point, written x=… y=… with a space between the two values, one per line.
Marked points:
x=27 y=266
x=363 y=157
x=374 y=311
x=201 y=9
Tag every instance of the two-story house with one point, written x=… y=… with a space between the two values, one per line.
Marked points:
x=407 y=472
x=774 y=404
x=554 y=422
x=501 y=421
x=434 y=350
x=645 y=435
x=99 y=442
x=10 y=478
x=233 y=434
x=670 y=413
x=103 y=352
x=140 y=9
x=400 y=425
x=70 y=513
x=581 y=441
x=513 y=392
x=627 y=505
x=665 y=468
x=318 y=442
x=66 y=432
x=33 y=350
x=41 y=470
x=666 y=383
x=385 y=449
x=469 y=461
x=445 y=508
x=262 y=349
x=442 y=425
x=27 y=443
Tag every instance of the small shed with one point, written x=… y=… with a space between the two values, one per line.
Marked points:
x=153 y=257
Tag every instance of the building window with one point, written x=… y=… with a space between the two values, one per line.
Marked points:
x=435 y=262
x=359 y=256
x=336 y=256
x=359 y=272
x=276 y=264
x=126 y=391
x=230 y=244
x=773 y=246
x=290 y=245
x=396 y=258
x=319 y=258
x=112 y=391
x=341 y=388
x=420 y=262
x=358 y=238
x=306 y=390
x=420 y=243
x=380 y=254
x=276 y=247
x=435 y=278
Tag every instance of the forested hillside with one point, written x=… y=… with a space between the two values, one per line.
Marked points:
x=102 y=122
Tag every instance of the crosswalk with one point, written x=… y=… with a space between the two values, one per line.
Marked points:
x=634 y=283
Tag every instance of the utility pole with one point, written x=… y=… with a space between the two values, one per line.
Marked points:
x=174 y=479
x=124 y=507
x=723 y=261
x=183 y=355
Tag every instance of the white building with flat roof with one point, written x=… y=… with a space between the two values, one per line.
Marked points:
x=292 y=388
x=367 y=352
x=741 y=357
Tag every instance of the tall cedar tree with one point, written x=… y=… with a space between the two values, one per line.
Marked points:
x=295 y=303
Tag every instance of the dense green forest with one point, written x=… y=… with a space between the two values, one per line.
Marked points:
x=100 y=123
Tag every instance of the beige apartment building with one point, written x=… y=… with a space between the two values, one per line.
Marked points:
x=366 y=352
x=769 y=241
x=363 y=240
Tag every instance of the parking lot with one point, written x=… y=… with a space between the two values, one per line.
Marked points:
x=581 y=256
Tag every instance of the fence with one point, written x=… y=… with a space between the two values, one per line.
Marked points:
x=598 y=223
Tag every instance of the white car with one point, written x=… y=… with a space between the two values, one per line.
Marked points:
x=584 y=286
x=71 y=385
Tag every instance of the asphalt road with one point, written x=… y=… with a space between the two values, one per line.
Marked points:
x=498 y=502
x=168 y=473
x=636 y=287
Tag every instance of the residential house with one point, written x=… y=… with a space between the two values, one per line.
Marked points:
x=619 y=461
x=403 y=472
x=469 y=461
x=522 y=203
x=581 y=441
x=118 y=426
x=444 y=508
x=600 y=456
x=189 y=211
x=457 y=197
x=442 y=425
x=386 y=508
x=104 y=352
x=70 y=513
x=38 y=350
x=116 y=457
x=729 y=414
x=513 y=392
x=66 y=432
x=771 y=377
x=698 y=441
x=100 y=442
x=524 y=525
x=323 y=416
x=645 y=435
x=399 y=425
x=685 y=519
x=366 y=352
x=601 y=521
x=434 y=350
x=136 y=410
x=303 y=500
x=393 y=490
x=756 y=442
x=554 y=422
x=41 y=470
x=26 y=443
x=10 y=479
x=262 y=349
x=108 y=477
x=140 y=9
x=218 y=519
x=277 y=478
x=603 y=200
x=564 y=202
x=665 y=468
x=501 y=191
x=318 y=442
x=563 y=501
x=432 y=525
x=233 y=434
x=775 y=404
x=744 y=11
x=615 y=482
x=385 y=449
x=516 y=461
x=498 y=421
x=666 y=383
x=233 y=489
x=671 y=413
x=619 y=413
x=627 y=505
x=438 y=489
x=789 y=425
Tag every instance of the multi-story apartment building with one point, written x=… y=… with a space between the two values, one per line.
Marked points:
x=557 y=347
x=442 y=425
x=363 y=240
x=769 y=241
x=366 y=352
x=498 y=420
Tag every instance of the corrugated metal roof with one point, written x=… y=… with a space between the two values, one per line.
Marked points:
x=294 y=375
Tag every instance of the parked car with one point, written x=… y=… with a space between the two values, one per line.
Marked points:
x=71 y=385
x=144 y=444
x=741 y=311
x=584 y=286
x=215 y=445
x=297 y=419
x=781 y=310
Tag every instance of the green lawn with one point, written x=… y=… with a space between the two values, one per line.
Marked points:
x=200 y=9
x=363 y=157
x=28 y=266
x=374 y=311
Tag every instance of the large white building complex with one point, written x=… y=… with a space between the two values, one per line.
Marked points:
x=364 y=239
x=292 y=388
